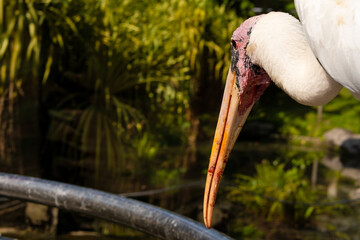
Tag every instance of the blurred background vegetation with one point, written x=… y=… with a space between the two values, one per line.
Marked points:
x=119 y=80
x=110 y=78
x=124 y=82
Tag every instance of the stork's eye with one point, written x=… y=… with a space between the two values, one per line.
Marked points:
x=233 y=43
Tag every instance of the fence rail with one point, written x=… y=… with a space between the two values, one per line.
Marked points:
x=132 y=213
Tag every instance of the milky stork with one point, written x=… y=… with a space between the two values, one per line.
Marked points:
x=311 y=61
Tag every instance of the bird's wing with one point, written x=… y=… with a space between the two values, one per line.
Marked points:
x=332 y=28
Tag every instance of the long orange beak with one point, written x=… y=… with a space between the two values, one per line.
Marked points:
x=231 y=120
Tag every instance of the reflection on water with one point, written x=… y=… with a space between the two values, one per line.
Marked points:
x=178 y=189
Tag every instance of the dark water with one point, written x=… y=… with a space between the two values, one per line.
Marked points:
x=179 y=188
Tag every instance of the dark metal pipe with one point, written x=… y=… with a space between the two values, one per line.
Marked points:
x=135 y=214
x=5 y=238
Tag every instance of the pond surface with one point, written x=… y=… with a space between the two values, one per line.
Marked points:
x=179 y=188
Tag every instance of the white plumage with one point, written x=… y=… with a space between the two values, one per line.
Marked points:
x=290 y=51
x=332 y=28
x=278 y=44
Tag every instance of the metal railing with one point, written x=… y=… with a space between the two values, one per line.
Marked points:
x=132 y=213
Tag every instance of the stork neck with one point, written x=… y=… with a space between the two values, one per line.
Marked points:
x=278 y=44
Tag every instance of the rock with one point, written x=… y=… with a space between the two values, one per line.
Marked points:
x=42 y=217
x=333 y=162
x=37 y=214
x=355 y=194
x=352 y=145
x=346 y=140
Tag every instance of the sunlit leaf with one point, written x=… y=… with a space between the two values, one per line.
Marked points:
x=47 y=69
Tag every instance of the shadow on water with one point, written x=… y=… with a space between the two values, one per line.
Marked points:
x=241 y=211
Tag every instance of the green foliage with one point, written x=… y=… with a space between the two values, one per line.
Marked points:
x=293 y=119
x=249 y=231
x=116 y=77
x=20 y=46
x=144 y=155
x=167 y=177
x=277 y=193
x=343 y=111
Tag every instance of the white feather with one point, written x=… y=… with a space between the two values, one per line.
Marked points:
x=278 y=44
x=332 y=28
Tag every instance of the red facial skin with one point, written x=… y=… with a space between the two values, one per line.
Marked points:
x=251 y=79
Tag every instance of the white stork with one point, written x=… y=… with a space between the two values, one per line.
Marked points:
x=311 y=61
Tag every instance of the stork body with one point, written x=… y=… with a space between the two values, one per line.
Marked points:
x=311 y=61
x=332 y=29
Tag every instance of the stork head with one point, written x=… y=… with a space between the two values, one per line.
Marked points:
x=244 y=85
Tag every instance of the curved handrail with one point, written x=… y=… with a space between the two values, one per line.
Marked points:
x=5 y=238
x=132 y=213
